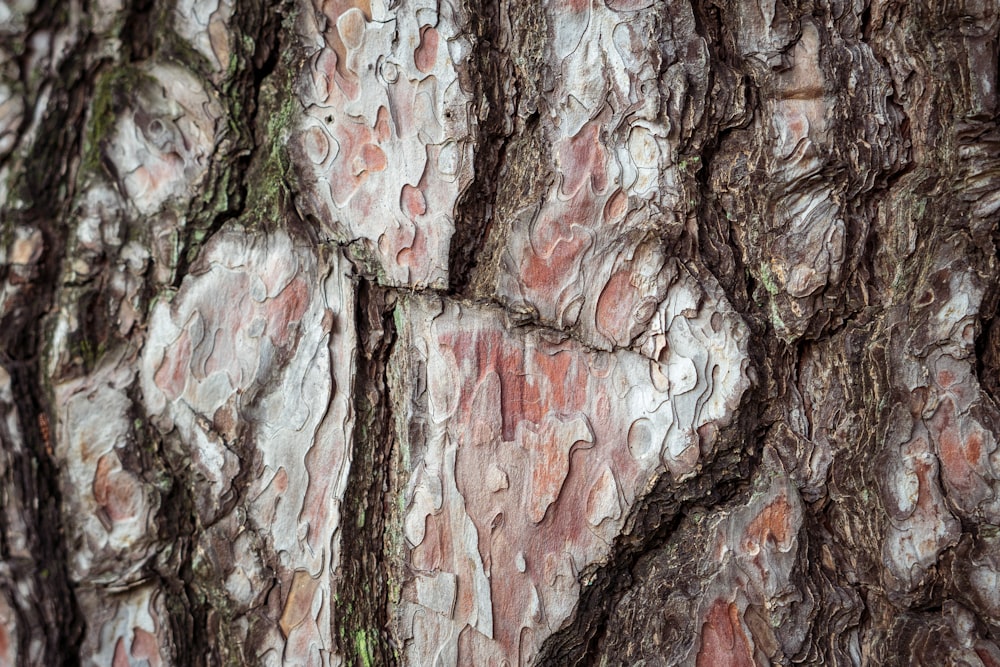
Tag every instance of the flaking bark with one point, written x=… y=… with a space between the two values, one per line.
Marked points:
x=585 y=332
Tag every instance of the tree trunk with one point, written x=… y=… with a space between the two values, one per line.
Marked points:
x=576 y=332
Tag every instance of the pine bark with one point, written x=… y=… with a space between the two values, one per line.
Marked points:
x=576 y=332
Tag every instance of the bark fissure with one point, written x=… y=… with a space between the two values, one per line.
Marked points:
x=248 y=162
x=187 y=612
x=651 y=526
x=52 y=607
x=363 y=600
x=476 y=206
x=37 y=582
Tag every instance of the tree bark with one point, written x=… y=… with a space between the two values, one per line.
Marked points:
x=576 y=332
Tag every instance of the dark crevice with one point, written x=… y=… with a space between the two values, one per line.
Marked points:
x=987 y=344
x=717 y=246
x=41 y=593
x=54 y=610
x=264 y=24
x=476 y=206
x=139 y=31
x=363 y=591
x=175 y=524
x=866 y=21
x=185 y=614
x=34 y=469
x=199 y=634
x=651 y=524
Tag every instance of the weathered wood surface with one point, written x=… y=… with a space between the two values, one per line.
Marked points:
x=431 y=332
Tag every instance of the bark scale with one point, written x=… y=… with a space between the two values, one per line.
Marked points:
x=573 y=332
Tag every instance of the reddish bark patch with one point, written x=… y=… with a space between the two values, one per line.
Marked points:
x=120 y=658
x=351 y=27
x=616 y=306
x=425 y=55
x=514 y=388
x=280 y=480
x=556 y=224
x=723 y=642
x=115 y=490
x=374 y=158
x=412 y=201
x=316 y=144
x=299 y=602
x=531 y=491
x=224 y=421
x=545 y=272
x=145 y=647
x=616 y=206
x=567 y=386
x=988 y=656
x=344 y=78
x=549 y=465
x=286 y=309
x=707 y=435
x=575 y=6
x=773 y=523
x=973 y=447
x=171 y=376
x=382 y=129
x=945 y=378
x=334 y=8
x=350 y=168
x=580 y=158
x=4 y=642
x=924 y=500
x=628 y=5
x=958 y=459
x=435 y=552
x=322 y=461
x=550 y=381
x=416 y=254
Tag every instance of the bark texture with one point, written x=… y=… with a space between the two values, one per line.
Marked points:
x=434 y=332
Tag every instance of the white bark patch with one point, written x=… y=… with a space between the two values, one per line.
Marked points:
x=161 y=147
x=11 y=115
x=205 y=25
x=19 y=256
x=14 y=15
x=109 y=510
x=943 y=462
x=535 y=449
x=251 y=365
x=385 y=146
x=8 y=633
x=807 y=247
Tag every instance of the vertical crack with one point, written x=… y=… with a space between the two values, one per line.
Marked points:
x=34 y=472
x=40 y=589
x=362 y=603
x=475 y=212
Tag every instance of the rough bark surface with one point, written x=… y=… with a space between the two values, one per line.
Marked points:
x=571 y=332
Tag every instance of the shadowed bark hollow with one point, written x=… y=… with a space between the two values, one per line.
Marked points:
x=433 y=332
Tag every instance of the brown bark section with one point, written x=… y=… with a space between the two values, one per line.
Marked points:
x=367 y=544
x=35 y=588
x=568 y=333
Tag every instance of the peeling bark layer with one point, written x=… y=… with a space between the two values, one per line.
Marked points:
x=431 y=332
